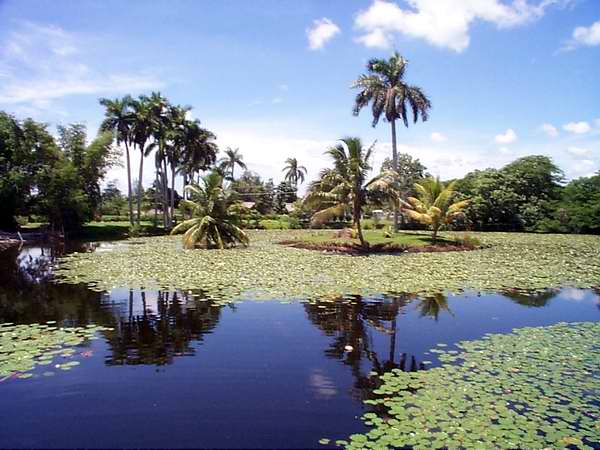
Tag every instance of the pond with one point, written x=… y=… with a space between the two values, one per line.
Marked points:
x=171 y=370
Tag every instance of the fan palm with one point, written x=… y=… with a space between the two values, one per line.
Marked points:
x=232 y=158
x=345 y=187
x=119 y=118
x=294 y=172
x=435 y=206
x=390 y=96
x=213 y=215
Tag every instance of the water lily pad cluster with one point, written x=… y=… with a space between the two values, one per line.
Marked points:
x=23 y=347
x=533 y=388
x=267 y=270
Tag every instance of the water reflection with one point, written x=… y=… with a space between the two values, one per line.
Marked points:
x=157 y=335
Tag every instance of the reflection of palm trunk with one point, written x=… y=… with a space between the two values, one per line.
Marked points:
x=393 y=341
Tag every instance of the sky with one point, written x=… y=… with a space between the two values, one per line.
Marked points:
x=506 y=78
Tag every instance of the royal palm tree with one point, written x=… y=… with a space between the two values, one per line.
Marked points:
x=390 y=96
x=142 y=131
x=434 y=205
x=199 y=151
x=345 y=187
x=213 y=216
x=294 y=172
x=119 y=118
x=232 y=158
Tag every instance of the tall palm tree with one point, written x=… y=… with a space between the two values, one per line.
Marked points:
x=435 y=206
x=119 y=118
x=345 y=186
x=390 y=96
x=199 y=151
x=213 y=216
x=142 y=130
x=232 y=158
x=294 y=172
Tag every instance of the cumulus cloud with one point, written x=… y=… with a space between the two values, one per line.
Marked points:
x=41 y=63
x=508 y=137
x=443 y=23
x=578 y=151
x=438 y=137
x=585 y=36
x=549 y=129
x=577 y=127
x=321 y=32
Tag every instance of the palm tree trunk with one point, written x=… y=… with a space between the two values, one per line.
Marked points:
x=173 y=191
x=356 y=210
x=166 y=194
x=129 y=199
x=140 y=188
x=395 y=167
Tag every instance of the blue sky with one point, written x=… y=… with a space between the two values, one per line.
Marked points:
x=505 y=78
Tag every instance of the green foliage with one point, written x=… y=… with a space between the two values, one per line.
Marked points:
x=345 y=187
x=533 y=388
x=213 y=216
x=435 y=206
x=516 y=197
x=578 y=210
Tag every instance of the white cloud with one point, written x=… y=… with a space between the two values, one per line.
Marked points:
x=321 y=32
x=438 y=137
x=597 y=122
x=508 y=137
x=505 y=150
x=277 y=100
x=443 y=23
x=588 y=36
x=578 y=151
x=375 y=39
x=549 y=129
x=577 y=127
x=42 y=63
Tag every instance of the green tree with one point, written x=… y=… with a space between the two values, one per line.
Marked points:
x=232 y=158
x=384 y=87
x=214 y=216
x=294 y=172
x=112 y=201
x=435 y=205
x=345 y=186
x=119 y=118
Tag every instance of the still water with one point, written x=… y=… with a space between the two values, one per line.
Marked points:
x=178 y=372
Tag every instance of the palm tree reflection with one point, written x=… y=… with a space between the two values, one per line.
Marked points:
x=156 y=334
x=356 y=325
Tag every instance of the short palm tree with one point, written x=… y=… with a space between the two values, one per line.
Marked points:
x=294 y=172
x=212 y=223
x=119 y=118
x=390 y=96
x=345 y=187
x=435 y=206
x=232 y=158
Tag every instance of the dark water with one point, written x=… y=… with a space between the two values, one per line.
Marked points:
x=176 y=372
